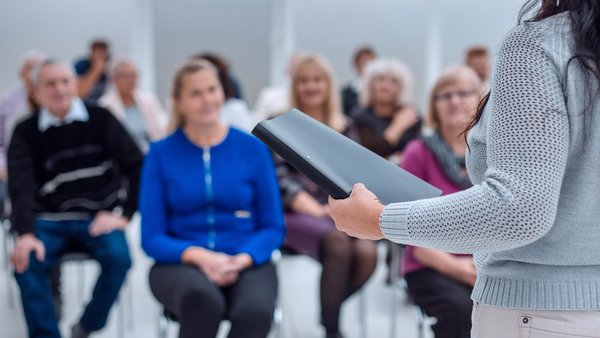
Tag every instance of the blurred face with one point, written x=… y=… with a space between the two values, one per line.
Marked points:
x=362 y=62
x=125 y=79
x=99 y=53
x=200 y=99
x=384 y=90
x=481 y=65
x=455 y=104
x=311 y=86
x=25 y=72
x=55 y=88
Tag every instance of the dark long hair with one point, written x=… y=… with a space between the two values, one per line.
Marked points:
x=585 y=26
x=223 y=69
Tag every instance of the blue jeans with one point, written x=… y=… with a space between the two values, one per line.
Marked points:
x=60 y=237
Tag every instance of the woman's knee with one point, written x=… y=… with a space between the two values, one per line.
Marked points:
x=117 y=260
x=366 y=251
x=258 y=312
x=202 y=301
x=336 y=245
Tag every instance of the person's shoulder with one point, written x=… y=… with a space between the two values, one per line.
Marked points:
x=7 y=96
x=81 y=66
x=98 y=112
x=239 y=136
x=168 y=143
x=416 y=148
x=145 y=95
x=248 y=143
x=416 y=154
x=535 y=35
x=360 y=114
x=27 y=124
x=348 y=89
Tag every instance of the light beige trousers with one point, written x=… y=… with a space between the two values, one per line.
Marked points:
x=494 y=322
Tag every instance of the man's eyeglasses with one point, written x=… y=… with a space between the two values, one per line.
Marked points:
x=447 y=96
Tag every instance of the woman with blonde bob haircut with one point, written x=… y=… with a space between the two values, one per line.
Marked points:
x=211 y=215
x=441 y=283
x=347 y=263
x=386 y=121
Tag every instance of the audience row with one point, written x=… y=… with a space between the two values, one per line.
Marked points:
x=214 y=202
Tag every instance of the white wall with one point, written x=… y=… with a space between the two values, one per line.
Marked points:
x=397 y=28
x=239 y=29
x=236 y=29
x=61 y=28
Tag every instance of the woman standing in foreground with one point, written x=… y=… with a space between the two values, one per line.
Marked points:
x=531 y=217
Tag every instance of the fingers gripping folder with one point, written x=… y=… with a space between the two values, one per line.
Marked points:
x=335 y=163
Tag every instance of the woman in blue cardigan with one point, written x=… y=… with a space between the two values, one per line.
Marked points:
x=211 y=215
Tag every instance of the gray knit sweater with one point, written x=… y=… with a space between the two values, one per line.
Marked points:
x=532 y=217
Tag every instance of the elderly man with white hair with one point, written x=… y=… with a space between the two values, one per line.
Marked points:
x=67 y=164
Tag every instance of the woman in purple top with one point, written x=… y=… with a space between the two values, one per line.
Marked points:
x=439 y=282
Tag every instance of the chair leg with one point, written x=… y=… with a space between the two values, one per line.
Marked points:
x=278 y=321
x=81 y=280
x=163 y=325
x=420 y=316
x=129 y=304
x=395 y=274
x=362 y=313
x=121 y=319
x=7 y=267
x=276 y=259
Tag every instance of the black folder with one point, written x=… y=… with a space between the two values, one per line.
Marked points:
x=335 y=163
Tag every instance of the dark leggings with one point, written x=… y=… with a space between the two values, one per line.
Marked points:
x=200 y=305
x=444 y=298
x=347 y=265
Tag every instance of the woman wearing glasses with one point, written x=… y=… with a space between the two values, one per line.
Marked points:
x=439 y=282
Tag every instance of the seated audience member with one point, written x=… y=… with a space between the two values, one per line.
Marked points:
x=347 y=262
x=350 y=92
x=92 y=72
x=385 y=121
x=15 y=105
x=439 y=282
x=235 y=111
x=67 y=165
x=274 y=100
x=140 y=112
x=221 y=63
x=211 y=215
x=478 y=58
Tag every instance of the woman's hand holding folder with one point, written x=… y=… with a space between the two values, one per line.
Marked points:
x=358 y=215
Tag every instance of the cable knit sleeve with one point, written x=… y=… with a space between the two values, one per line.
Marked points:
x=526 y=139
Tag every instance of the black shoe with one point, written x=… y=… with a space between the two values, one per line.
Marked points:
x=334 y=335
x=79 y=332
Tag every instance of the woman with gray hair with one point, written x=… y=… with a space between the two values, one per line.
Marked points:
x=385 y=121
x=140 y=112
